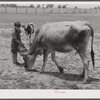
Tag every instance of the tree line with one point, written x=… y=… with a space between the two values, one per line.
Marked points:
x=33 y=6
x=44 y=7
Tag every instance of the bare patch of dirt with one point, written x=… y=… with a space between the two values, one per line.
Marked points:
x=15 y=77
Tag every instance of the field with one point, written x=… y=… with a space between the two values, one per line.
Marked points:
x=15 y=77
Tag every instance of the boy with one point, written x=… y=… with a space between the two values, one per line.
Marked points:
x=16 y=42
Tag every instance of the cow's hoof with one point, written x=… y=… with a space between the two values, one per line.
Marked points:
x=41 y=72
x=28 y=69
x=23 y=64
x=82 y=75
x=61 y=70
x=86 y=82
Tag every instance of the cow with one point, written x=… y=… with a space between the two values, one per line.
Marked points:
x=29 y=30
x=62 y=37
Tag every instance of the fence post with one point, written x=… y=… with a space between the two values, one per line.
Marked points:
x=67 y=9
x=16 y=9
x=85 y=11
x=26 y=9
x=96 y=10
x=90 y=10
x=73 y=10
x=51 y=10
x=59 y=11
x=43 y=8
x=35 y=10
x=5 y=9
x=79 y=10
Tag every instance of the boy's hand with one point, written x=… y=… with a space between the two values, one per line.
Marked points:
x=22 y=44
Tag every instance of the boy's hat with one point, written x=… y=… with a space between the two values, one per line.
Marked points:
x=17 y=24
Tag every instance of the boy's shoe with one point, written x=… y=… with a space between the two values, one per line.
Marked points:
x=19 y=64
x=22 y=64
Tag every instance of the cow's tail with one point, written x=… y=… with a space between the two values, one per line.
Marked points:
x=92 y=52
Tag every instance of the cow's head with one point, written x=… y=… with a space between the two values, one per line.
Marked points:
x=29 y=29
x=30 y=59
x=34 y=50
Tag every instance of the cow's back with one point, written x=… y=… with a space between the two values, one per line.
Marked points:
x=60 y=34
x=60 y=30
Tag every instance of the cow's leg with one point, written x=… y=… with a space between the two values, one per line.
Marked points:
x=54 y=60
x=45 y=57
x=82 y=48
x=83 y=73
x=86 y=65
x=83 y=55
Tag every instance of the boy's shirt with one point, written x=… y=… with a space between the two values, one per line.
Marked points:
x=16 y=36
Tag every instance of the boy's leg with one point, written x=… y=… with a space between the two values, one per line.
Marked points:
x=14 y=57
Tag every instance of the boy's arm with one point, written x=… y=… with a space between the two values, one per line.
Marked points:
x=15 y=38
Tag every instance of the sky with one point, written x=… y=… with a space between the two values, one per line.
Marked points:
x=70 y=4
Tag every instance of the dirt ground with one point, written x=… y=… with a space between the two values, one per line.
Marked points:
x=15 y=77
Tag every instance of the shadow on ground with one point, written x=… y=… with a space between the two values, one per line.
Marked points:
x=70 y=77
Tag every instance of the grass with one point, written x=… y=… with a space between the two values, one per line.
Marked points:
x=17 y=78
x=7 y=20
x=40 y=19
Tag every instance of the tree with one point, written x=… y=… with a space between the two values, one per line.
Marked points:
x=85 y=11
x=3 y=5
x=75 y=9
x=16 y=9
x=91 y=10
x=11 y=5
x=38 y=6
x=36 y=10
x=59 y=6
x=32 y=6
x=95 y=9
x=5 y=9
x=52 y=8
x=98 y=7
x=64 y=6
x=49 y=6
x=79 y=10
x=26 y=9
x=43 y=8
